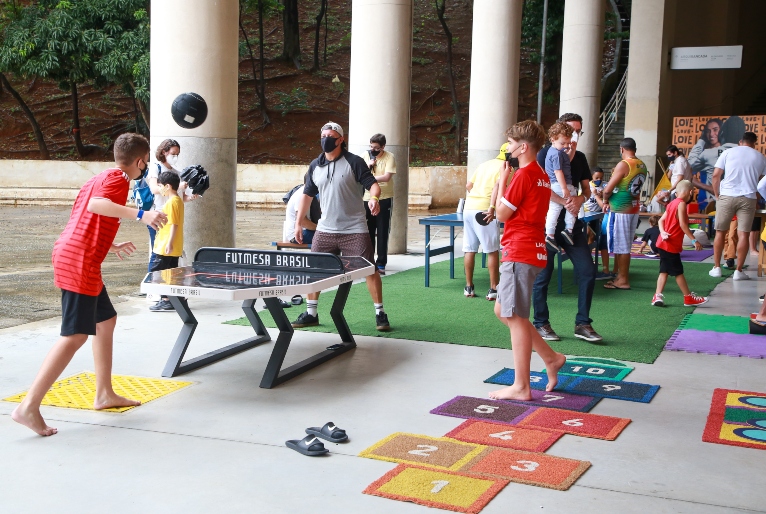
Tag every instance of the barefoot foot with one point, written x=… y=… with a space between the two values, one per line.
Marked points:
x=33 y=420
x=512 y=393
x=552 y=370
x=110 y=401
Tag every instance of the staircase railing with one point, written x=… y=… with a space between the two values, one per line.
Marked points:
x=612 y=108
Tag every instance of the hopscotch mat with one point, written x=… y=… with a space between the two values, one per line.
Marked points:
x=423 y=450
x=514 y=438
x=614 y=389
x=602 y=369
x=437 y=488
x=576 y=423
x=539 y=469
x=737 y=418
x=79 y=391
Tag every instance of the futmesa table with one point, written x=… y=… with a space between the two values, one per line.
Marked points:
x=247 y=275
x=455 y=219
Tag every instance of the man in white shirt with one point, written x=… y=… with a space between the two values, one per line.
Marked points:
x=679 y=168
x=735 y=184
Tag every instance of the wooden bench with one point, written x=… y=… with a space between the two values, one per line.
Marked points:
x=290 y=246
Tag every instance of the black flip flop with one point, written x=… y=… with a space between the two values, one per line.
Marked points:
x=309 y=446
x=296 y=300
x=329 y=432
x=284 y=304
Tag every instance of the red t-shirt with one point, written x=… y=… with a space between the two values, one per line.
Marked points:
x=85 y=242
x=529 y=193
x=675 y=243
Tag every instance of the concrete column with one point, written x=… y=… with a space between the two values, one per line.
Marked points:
x=205 y=62
x=581 y=55
x=495 y=63
x=648 y=89
x=381 y=75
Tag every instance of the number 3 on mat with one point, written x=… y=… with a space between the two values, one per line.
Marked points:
x=526 y=465
x=439 y=485
x=424 y=450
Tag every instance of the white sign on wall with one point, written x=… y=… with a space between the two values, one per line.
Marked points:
x=705 y=57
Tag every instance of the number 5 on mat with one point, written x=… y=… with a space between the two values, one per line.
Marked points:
x=439 y=485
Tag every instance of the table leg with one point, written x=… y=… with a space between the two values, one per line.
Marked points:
x=452 y=252
x=176 y=366
x=428 y=255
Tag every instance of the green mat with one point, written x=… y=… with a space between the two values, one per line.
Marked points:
x=717 y=323
x=633 y=330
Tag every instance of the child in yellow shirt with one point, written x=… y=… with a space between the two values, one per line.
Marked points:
x=169 y=241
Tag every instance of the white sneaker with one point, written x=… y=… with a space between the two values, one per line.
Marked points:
x=740 y=275
x=715 y=272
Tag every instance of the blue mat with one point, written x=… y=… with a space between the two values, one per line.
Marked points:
x=615 y=389
x=578 y=368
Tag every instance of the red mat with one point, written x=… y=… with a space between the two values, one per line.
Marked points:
x=437 y=488
x=737 y=418
x=530 y=468
x=577 y=423
x=515 y=438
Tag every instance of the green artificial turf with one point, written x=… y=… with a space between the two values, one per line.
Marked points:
x=717 y=323
x=632 y=328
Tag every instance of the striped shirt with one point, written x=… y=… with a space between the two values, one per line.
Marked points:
x=87 y=238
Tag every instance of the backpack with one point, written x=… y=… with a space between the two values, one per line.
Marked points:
x=142 y=195
x=290 y=193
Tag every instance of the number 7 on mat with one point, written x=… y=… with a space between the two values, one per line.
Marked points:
x=439 y=485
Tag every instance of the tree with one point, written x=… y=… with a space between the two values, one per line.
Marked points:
x=260 y=87
x=441 y=6
x=291 y=49
x=322 y=13
x=9 y=12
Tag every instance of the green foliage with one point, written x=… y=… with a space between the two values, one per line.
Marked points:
x=532 y=29
x=297 y=99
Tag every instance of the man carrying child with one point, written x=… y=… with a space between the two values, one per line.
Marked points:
x=169 y=241
x=673 y=224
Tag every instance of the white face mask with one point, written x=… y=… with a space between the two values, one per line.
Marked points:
x=171 y=159
x=575 y=137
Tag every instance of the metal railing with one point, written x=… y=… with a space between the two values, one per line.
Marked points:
x=609 y=115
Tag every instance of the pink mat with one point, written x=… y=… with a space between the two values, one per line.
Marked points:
x=718 y=343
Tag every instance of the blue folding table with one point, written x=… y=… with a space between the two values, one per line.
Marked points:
x=455 y=219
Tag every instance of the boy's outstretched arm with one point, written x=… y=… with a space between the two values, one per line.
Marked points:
x=104 y=207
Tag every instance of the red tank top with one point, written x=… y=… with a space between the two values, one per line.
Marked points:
x=675 y=241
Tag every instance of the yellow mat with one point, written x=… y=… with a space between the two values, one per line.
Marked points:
x=79 y=391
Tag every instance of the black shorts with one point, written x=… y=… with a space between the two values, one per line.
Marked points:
x=81 y=313
x=670 y=263
x=162 y=262
x=756 y=227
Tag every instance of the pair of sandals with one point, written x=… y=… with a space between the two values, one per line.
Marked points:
x=311 y=446
x=295 y=300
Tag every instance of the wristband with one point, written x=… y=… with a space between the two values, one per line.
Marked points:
x=694 y=241
x=374 y=198
x=491 y=206
x=140 y=215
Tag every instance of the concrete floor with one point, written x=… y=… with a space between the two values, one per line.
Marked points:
x=218 y=446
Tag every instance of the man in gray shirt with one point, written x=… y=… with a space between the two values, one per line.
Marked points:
x=340 y=178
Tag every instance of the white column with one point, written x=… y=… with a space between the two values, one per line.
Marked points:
x=493 y=106
x=648 y=86
x=195 y=48
x=581 y=55
x=381 y=75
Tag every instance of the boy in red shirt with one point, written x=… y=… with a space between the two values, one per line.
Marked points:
x=523 y=208
x=673 y=224
x=77 y=257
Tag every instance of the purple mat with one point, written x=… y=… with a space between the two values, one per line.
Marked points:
x=718 y=343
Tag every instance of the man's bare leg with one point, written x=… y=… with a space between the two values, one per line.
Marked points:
x=312 y=296
x=743 y=247
x=374 y=286
x=28 y=413
x=102 y=358
x=605 y=260
x=718 y=242
x=754 y=242
x=493 y=262
x=622 y=264
x=469 y=259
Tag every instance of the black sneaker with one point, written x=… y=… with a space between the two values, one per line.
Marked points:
x=586 y=332
x=381 y=322
x=730 y=264
x=567 y=234
x=468 y=292
x=162 y=306
x=492 y=295
x=760 y=298
x=547 y=333
x=306 y=320
x=550 y=242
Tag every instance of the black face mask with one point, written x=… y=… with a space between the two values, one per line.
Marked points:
x=328 y=143
x=143 y=172
x=374 y=153
x=672 y=158
x=513 y=162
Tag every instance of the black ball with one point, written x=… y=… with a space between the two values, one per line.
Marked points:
x=189 y=110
